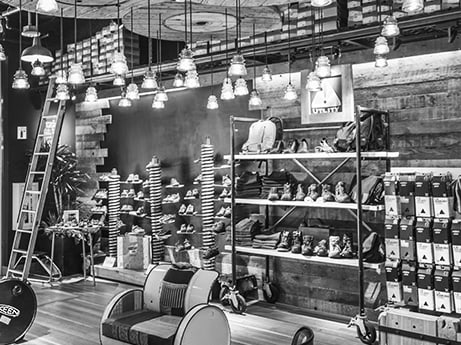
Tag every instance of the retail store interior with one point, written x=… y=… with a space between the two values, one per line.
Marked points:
x=216 y=172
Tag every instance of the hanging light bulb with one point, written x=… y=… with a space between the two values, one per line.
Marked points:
x=212 y=103
x=150 y=81
x=192 y=79
x=91 y=94
x=314 y=83
x=227 y=91
x=381 y=46
x=156 y=104
x=237 y=67
x=321 y=3
x=380 y=61
x=76 y=76
x=62 y=92
x=2 y=53
x=266 y=76
x=161 y=95
x=322 y=67
x=178 y=80
x=186 y=60
x=61 y=77
x=390 y=27
x=412 y=5
x=37 y=69
x=118 y=66
x=132 y=91
x=20 y=80
x=47 y=6
x=241 y=88
x=255 y=99
x=290 y=93
x=119 y=80
x=124 y=102
x=36 y=52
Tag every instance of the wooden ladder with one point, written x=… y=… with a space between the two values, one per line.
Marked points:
x=38 y=175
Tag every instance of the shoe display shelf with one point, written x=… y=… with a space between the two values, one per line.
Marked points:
x=300 y=160
x=135 y=203
x=154 y=186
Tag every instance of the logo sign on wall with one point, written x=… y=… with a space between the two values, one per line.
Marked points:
x=334 y=103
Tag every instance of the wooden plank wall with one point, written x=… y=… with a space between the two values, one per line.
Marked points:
x=423 y=95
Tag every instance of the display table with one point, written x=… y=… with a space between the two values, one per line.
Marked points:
x=83 y=233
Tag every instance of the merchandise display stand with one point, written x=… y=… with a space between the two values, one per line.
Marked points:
x=114 y=211
x=155 y=187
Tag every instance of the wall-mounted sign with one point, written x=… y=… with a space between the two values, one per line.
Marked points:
x=22 y=133
x=334 y=103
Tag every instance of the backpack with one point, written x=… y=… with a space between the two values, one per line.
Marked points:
x=262 y=135
x=372 y=249
x=372 y=190
x=373 y=134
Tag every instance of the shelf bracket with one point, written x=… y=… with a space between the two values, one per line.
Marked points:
x=335 y=170
x=298 y=163
x=281 y=219
x=365 y=225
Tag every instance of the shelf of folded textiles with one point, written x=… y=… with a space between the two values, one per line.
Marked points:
x=316 y=155
x=334 y=205
x=316 y=259
x=185 y=232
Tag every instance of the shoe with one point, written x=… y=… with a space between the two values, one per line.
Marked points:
x=136 y=229
x=226 y=181
x=190 y=210
x=210 y=253
x=321 y=248
x=195 y=193
x=308 y=242
x=187 y=245
x=273 y=194
x=228 y=212
x=140 y=211
x=167 y=200
x=140 y=195
x=347 y=251
x=174 y=198
x=131 y=193
x=198 y=179
x=190 y=228
x=335 y=247
x=130 y=178
x=300 y=195
x=327 y=195
x=124 y=193
x=292 y=147
x=183 y=228
x=164 y=234
x=136 y=178
x=297 y=242
x=286 y=196
x=174 y=183
x=182 y=209
x=303 y=148
x=312 y=194
x=278 y=147
x=188 y=195
x=285 y=241
x=223 y=194
x=126 y=208
x=324 y=147
x=101 y=194
x=221 y=212
x=340 y=193
x=179 y=247
x=219 y=227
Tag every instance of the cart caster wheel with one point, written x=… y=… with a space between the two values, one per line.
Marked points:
x=370 y=336
x=241 y=306
x=271 y=292
x=223 y=293
x=303 y=336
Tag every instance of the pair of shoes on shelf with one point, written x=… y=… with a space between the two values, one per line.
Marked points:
x=226 y=181
x=287 y=195
x=341 y=248
x=100 y=194
x=219 y=227
x=192 y=194
x=136 y=229
x=210 y=253
x=294 y=146
x=225 y=194
x=187 y=228
x=324 y=147
x=140 y=195
x=294 y=242
x=171 y=199
x=300 y=195
x=188 y=210
x=141 y=212
x=198 y=179
x=133 y=178
x=126 y=208
x=183 y=246
x=273 y=194
x=174 y=184
x=167 y=219
x=224 y=212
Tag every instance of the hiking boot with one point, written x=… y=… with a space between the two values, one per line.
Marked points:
x=183 y=228
x=340 y=193
x=190 y=228
x=223 y=194
x=308 y=242
x=221 y=212
x=303 y=148
x=300 y=195
x=219 y=227
x=335 y=247
x=327 y=195
x=190 y=210
x=273 y=194
x=285 y=241
x=312 y=194
x=211 y=253
x=293 y=145
x=286 y=196
x=297 y=242
x=321 y=248
x=347 y=250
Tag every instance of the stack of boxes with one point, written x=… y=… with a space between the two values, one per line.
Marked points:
x=423 y=242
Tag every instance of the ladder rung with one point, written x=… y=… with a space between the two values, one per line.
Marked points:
x=37 y=172
x=20 y=251
x=41 y=153
x=32 y=191
x=16 y=272
x=28 y=211
x=49 y=116
x=26 y=231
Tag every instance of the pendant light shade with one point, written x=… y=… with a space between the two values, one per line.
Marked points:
x=212 y=103
x=241 y=88
x=119 y=80
x=161 y=95
x=124 y=101
x=381 y=46
x=255 y=99
x=321 y=3
x=150 y=81
x=119 y=66
x=20 y=80
x=47 y=6
x=91 y=94
x=158 y=104
x=76 y=76
x=132 y=91
x=380 y=61
x=62 y=92
x=178 y=80
x=227 y=90
x=192 y=80
x=290 y=93
x=36 y=52
x=412 y=5
x=37 y=69
x=267 y=75
x=186 y=60
x=390 y=27
x=30 y=31
x=237 y=67
x=314 y=83
x=61 y=77
x=323 y=67
x=2 y=53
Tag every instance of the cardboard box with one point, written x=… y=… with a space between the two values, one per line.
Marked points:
x=407 y=228
x=391 y=227
x=133 y=251
x=407 y=185
x=423 y=185
x=390 y=184
x=394 y=292
x=392 y=205
x=424 y=206
x=441 y=185
x=410 y=295
x=408 y=250
x=426 y=299
x=392 y=248
x=443 y=207
x=423 y=229
x=407 y=206
x=393 y=271
x=441 y=230
x=424 y=252
x=444 y=301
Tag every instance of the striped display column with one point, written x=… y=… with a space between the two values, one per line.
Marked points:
x=155 y=191
x=207 y=198
x=113 y=211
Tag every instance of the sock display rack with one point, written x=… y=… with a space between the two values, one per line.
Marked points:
x=365 y=331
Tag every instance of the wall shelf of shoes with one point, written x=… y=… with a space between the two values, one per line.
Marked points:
x=282 y=192
x=423 y=240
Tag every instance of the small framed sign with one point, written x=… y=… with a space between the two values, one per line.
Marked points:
x=70 y=216
x=334 y=103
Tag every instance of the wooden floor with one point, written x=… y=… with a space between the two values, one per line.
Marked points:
x=69 y=314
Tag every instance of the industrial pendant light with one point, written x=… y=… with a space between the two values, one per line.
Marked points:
x=255 y=100
x=381 y=46
x=412 y=5
x=158 y=104
x=290 y=91
x=119 y=80
x=380 y=61
x=390 y=27
x=322 y=65
x=124 y=101
x=61 y=75
x=37 y=69
x=149 y=82
x=47 y=6
x=118 y=66
x=241 y=88
x=132 y=91
x=313 y=83
x=62 y=92
x=75 y=76
x=2 y=53
x=227 y=90
x=212 y=102
x=161 y=93
x=267 y=75
x=20 y=76
x=237 y=67
x=36 y=51
x=321 y=3
x=186 y=57
x=178 y=80
x=30 y=30
x=91 y=94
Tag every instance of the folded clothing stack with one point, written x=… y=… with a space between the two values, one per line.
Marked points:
x=248 y=185
x=276 y=179
x=245 y=230
x=266 y=241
